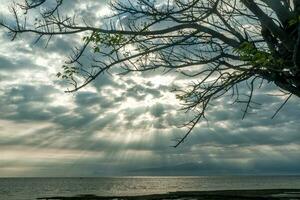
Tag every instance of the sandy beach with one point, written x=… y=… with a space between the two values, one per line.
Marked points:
x=280 y=194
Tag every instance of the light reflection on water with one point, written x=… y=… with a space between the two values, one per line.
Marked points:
x=31 y=188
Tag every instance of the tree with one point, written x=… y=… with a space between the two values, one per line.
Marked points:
x=220 y=43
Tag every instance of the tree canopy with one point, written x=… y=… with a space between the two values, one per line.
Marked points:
x=219 y=43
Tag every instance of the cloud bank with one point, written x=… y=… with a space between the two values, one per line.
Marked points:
x=124 y=125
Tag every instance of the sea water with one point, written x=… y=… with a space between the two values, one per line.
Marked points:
x=32 y=188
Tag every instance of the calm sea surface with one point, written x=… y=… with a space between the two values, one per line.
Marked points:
x=31 y=188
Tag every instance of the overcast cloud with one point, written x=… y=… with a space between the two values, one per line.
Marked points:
x=124 y=125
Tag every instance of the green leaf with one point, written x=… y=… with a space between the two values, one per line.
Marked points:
x=96 y=49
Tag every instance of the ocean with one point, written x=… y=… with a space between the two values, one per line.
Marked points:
x=32 y=188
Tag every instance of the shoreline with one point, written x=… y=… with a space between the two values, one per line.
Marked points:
x=263 y=194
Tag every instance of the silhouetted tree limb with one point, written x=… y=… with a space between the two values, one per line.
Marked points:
x=218 y=43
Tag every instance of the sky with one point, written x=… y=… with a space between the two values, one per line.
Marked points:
x=125 y=125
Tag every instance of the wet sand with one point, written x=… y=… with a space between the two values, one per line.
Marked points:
x=273 y=194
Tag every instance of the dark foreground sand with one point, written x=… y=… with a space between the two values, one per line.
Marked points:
x=211 y=195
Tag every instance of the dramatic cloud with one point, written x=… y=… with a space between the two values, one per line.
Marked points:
x=125 y=125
